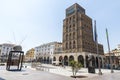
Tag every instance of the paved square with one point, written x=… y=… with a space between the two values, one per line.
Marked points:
x=55 y=73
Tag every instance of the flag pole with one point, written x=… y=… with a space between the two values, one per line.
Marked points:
x=109 y=51
x=96 y=40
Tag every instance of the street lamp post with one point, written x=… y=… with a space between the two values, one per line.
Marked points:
x=109 y=51
x=96 y=40
x=100 y=73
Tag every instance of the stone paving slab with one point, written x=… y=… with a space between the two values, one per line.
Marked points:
x=55 y=73
x=83 y=71
x=27 y=74
x=111 y=76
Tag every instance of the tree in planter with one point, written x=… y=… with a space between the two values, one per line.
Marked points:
x=75 y=67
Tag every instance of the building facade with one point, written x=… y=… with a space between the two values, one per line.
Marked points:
x=115 y=56
x=5 y=49
x=30 y=55
x=116 y=53
x=0 y=49
x=78 y=39
x=114 y=59
x=78 y=32
x=44 y=53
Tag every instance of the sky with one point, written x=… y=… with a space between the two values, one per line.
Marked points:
x=31 y=23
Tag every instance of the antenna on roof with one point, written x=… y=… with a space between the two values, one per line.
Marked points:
x=14 y=37
x=23 y=40
x=9 y=41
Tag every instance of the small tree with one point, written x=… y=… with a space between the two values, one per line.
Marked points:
x=75 y=67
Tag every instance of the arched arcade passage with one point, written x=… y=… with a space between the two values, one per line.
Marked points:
x=81 y=59
x=71 y=58
x=66 y=61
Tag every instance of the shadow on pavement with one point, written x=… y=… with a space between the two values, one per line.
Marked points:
x=12 y=70
x=78 y=71
x=1 y=78
x=80 y=76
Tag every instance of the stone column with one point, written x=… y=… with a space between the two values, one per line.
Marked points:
x=84 y=61
x=95 y=61
x=76 y=56
x=102 y=62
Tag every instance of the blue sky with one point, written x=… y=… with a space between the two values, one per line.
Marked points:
x=41 y=21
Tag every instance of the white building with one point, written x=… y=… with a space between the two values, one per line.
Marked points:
x=44 y=53
x=118 y=46
x=115 y=56
x=4 y=51
x=0 y=49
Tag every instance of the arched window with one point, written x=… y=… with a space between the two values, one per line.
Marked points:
x=73 y=26
x=70 y=45
x=70 y=28
x=70 y=37
x=74 y=44
x=66 y=29
x=73 y=35
x=66 y=37
x=66 y=45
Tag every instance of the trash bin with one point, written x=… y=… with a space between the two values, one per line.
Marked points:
x=91 y=69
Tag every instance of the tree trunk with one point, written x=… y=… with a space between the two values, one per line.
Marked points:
x=73 y=72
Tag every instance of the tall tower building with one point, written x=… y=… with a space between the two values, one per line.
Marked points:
x=78 y=31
